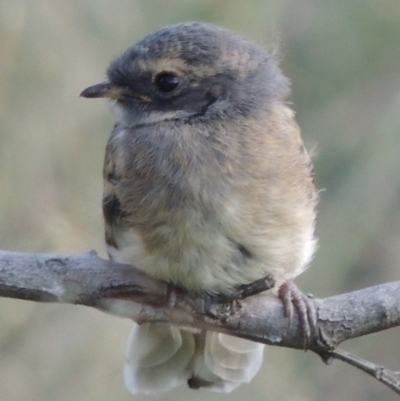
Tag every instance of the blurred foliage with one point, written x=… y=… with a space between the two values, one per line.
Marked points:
x=344 y=61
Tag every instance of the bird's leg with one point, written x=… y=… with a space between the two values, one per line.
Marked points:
x=293 y=298
x=243 y=291
x=220 y=305
x=246 y=290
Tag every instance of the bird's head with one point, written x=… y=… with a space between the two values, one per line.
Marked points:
x=188 y=71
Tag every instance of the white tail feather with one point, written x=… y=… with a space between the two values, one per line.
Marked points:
x=160 y=357
x=231 y=358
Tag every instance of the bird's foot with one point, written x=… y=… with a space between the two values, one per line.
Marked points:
x=293 y=298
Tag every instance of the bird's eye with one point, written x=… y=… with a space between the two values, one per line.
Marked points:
x=166 y=82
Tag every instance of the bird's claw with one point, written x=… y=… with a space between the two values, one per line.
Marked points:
x=293 y=298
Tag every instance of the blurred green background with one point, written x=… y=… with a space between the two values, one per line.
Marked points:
x=344 y=62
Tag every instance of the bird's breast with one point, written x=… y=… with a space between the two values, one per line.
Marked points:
x=184 y=206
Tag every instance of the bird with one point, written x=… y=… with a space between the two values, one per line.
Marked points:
x=208 y=186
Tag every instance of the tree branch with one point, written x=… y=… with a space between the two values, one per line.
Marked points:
x=128 y=292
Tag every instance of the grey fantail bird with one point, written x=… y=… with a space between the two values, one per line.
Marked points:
x=207 y=185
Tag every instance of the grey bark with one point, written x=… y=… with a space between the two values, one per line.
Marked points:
x=126 y=291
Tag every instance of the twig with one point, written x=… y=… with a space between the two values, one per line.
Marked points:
x=126 y=291
x=385 y=376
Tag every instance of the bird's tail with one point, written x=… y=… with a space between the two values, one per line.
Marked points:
x=160 y=357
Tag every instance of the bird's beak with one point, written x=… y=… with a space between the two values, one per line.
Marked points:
x=106 y=89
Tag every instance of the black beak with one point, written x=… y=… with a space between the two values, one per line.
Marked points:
x=106 y=89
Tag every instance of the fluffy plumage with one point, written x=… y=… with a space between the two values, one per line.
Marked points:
x=206 y=185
